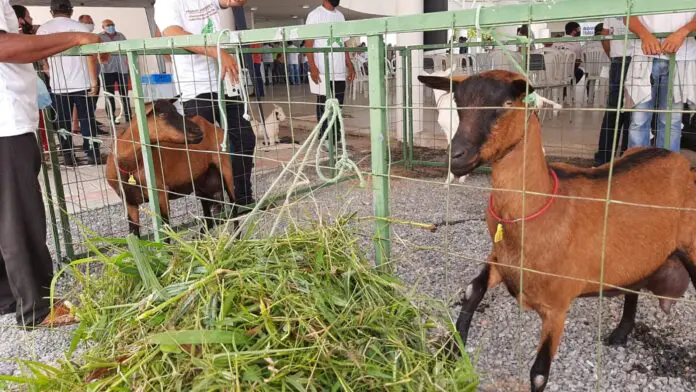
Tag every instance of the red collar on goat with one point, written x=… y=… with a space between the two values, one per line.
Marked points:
x=537 y=214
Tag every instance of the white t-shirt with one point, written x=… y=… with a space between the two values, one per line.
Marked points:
x=268 y=57
x=616 y=26
x=668 y=23
x=18 y=107
x=293 y=58
x=337 y=63
x=69 y=74
x=193 y=74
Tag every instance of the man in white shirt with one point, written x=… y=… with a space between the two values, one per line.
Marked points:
x=294 y=64
x=573 y=30
x=268 y=64
x=340 y=67
x=197 y=80
x=26 y=268
x=649 y=75
x=74 y=82
x=616 y=50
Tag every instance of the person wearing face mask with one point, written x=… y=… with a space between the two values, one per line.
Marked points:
x=26 y=267
x=115 y=73
x=340 y=66
x=87 y=21
x=74 y=84
x=27 y=27
x=197 y=78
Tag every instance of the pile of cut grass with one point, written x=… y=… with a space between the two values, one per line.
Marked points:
x=303 y=311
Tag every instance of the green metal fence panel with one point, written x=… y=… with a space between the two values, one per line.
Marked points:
x=380 y=157
x=145 y=146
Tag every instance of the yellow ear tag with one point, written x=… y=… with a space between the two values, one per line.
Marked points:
x=498 y=233
x=131 y=180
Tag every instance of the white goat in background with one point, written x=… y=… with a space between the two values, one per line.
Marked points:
x=448 y=118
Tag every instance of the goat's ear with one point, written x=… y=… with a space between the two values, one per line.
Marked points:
x=439 y=82
x=149 y=108
x=519 y=88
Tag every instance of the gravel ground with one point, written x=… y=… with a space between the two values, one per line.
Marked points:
x=659 y=355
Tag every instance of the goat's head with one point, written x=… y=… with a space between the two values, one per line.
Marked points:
x=279 y=113
x=168 y=126
x=489 y=124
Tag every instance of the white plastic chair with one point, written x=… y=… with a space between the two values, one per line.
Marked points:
x=593 y=61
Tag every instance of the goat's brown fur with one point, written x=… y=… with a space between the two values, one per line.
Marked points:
x=562 y=250
x=181 y=168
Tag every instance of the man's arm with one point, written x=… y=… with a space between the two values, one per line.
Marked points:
x=350 y=68
x=229 y=64
x=26 y=49
x=675 y=41
x=651 y=45
x=313 y=70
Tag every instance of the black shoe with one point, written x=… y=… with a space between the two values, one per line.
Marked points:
x=8 y=309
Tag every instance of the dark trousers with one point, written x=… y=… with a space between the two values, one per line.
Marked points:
x=340 y=92
x=258 y=80
x=269 y=73
x=26 y=268
x=606 y=135
x=242 y=140
x=111 y=79
x=85 y=114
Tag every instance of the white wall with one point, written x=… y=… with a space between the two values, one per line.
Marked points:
x=132 y=22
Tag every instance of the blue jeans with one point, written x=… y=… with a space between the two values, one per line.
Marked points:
x=641 y=123
x=294 y=73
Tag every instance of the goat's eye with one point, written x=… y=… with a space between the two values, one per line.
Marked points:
x=161 y=115
x=507 y=104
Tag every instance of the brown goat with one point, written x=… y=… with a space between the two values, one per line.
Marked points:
x=189 y=161
x=561 y=255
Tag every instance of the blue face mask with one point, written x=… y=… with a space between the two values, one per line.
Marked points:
x=111 y=29
x=43 y=97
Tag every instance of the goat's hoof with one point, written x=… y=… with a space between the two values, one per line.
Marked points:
x=616 y=338
x=539 y=383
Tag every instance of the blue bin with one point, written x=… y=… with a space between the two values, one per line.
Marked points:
x=157 y=79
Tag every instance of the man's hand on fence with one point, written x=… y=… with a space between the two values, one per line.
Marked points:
x=351 y=73
x=674 y=42
x=229 y=67
x=651 y=45
x=314 y=73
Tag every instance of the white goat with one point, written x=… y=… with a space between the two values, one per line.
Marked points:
x=270 y=136
x=448 y=118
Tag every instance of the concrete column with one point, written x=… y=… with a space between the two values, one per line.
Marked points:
x=150 y=14
x=411 y=7
x=227 y=19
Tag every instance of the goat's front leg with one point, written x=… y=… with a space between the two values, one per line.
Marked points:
x=133 y=220
x=473 y=295
x=620 y=335
x=551 y=331
x=450 y=179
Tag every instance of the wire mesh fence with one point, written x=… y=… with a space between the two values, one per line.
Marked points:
x=413 y=120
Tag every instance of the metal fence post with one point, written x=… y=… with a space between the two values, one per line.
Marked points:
x=145 y=146
x=404 y=99
x=60 y=192
x=50 y=203
x=409 y=107
x=380 y=157
x=670 y=102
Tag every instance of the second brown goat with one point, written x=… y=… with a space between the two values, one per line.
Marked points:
x=650 y=238
x=187 y=159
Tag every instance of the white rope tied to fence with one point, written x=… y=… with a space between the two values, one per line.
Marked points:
x=221 y=83
x=332 y=112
